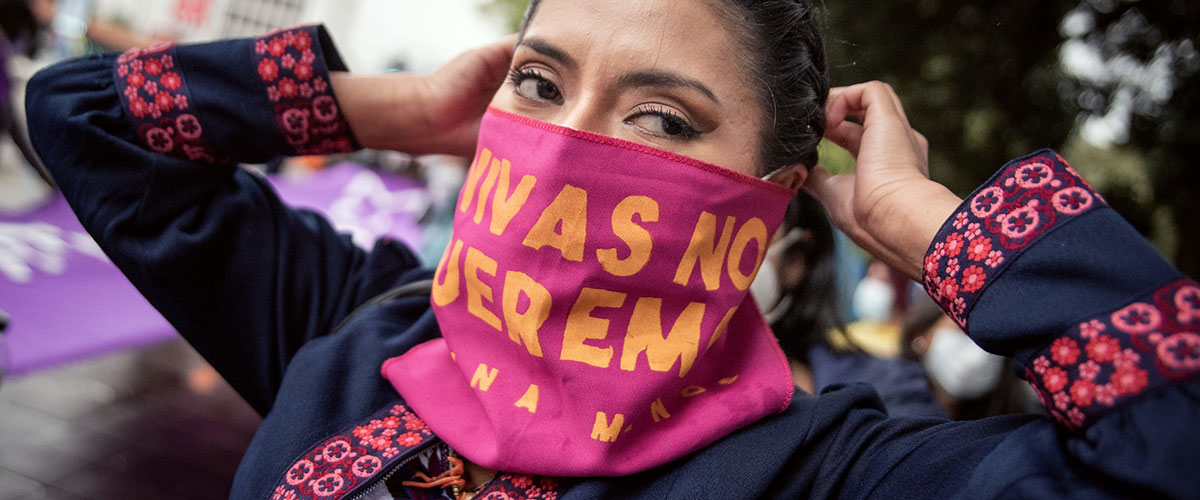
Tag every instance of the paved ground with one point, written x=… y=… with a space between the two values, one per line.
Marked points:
x=153 y=423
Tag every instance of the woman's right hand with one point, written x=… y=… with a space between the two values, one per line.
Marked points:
x=888 y=206
x=424 y=114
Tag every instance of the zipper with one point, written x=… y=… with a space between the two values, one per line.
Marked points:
x=381 y=479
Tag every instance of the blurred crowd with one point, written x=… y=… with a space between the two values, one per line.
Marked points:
x=888 y=333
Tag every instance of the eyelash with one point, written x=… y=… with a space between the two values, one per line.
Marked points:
x=687 y=132
x=517 y=76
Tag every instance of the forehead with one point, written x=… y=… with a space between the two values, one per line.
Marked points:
x=685 y=36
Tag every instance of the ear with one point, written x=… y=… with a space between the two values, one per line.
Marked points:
x=792 y=176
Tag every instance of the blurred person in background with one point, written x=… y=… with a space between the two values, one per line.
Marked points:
x=969 y=383
x=796 y=288
x=33 y=35
x=24 y=32
x=876 y=307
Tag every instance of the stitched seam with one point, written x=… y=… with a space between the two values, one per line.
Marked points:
x=641 y=148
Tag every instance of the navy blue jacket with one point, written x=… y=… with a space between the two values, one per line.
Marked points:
x=1034 y=264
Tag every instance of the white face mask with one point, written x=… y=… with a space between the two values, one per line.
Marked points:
x=959 y=366
x=765 y=287
x=873 y=300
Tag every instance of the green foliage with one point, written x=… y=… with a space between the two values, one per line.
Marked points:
x=982 y=80
x=510 y=11
x=1164 y=124
x=977 y=78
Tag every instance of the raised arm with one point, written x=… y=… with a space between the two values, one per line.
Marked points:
x=144 y=146
x=1036 y=266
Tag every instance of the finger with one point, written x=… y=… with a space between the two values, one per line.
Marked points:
x=846 y=134
x=872 y=102
x=835 y=192
x=502 y=48
x=897 y=107
x=818 y=176
x=497 y=56
x=485 y=66
x=891 y=92
x=835 y=106
x=923 y=148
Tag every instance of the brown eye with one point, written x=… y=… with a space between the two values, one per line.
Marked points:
x=663 y=123
x=532 y=85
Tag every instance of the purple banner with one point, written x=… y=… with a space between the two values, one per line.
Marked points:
x=69 y=302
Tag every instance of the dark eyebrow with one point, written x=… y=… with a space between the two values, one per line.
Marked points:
x=655 y=78
x=549 y=50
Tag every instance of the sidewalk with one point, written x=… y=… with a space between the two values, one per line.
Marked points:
x=144 y=424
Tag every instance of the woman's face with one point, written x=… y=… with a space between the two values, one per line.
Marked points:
x=664 y=73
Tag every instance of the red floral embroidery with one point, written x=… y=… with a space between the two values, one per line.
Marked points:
x=341 y=464
x=973 y=278
x=1064 y=351
x=414 y=424
x=520 y=487
x=157 y=100
x=979 y=249
x=1083 y=392
x=954 y=244
x=952 y=267
x=172 y=81
x=1121 y=356
x=1090 y=329
x=267 y=70
x=1022 y=202
x=1054 y=379
x=1103 y=348
x=296 y=81
x=1089 y=370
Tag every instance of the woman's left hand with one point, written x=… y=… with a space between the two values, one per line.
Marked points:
x=889 y=206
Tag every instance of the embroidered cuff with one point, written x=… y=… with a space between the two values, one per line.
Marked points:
x=293 y=68
x=158 y=101
x=1107 y=360
x=352 y=460
x=354 y=457
x=1021 y=203
x=239 y=86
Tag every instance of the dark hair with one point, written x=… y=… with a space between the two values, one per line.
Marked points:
x=781 y=39
x=811 y=312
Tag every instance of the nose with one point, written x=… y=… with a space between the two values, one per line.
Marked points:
x=585 y=113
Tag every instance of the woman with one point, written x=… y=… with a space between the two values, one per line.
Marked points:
x=608 y=127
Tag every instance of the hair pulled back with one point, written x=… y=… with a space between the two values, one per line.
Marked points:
x=781 y=40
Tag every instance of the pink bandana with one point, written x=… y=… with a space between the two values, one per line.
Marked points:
x=594 y=306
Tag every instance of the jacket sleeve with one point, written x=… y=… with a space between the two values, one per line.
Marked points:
x=1034 y=265
x=144 y=146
